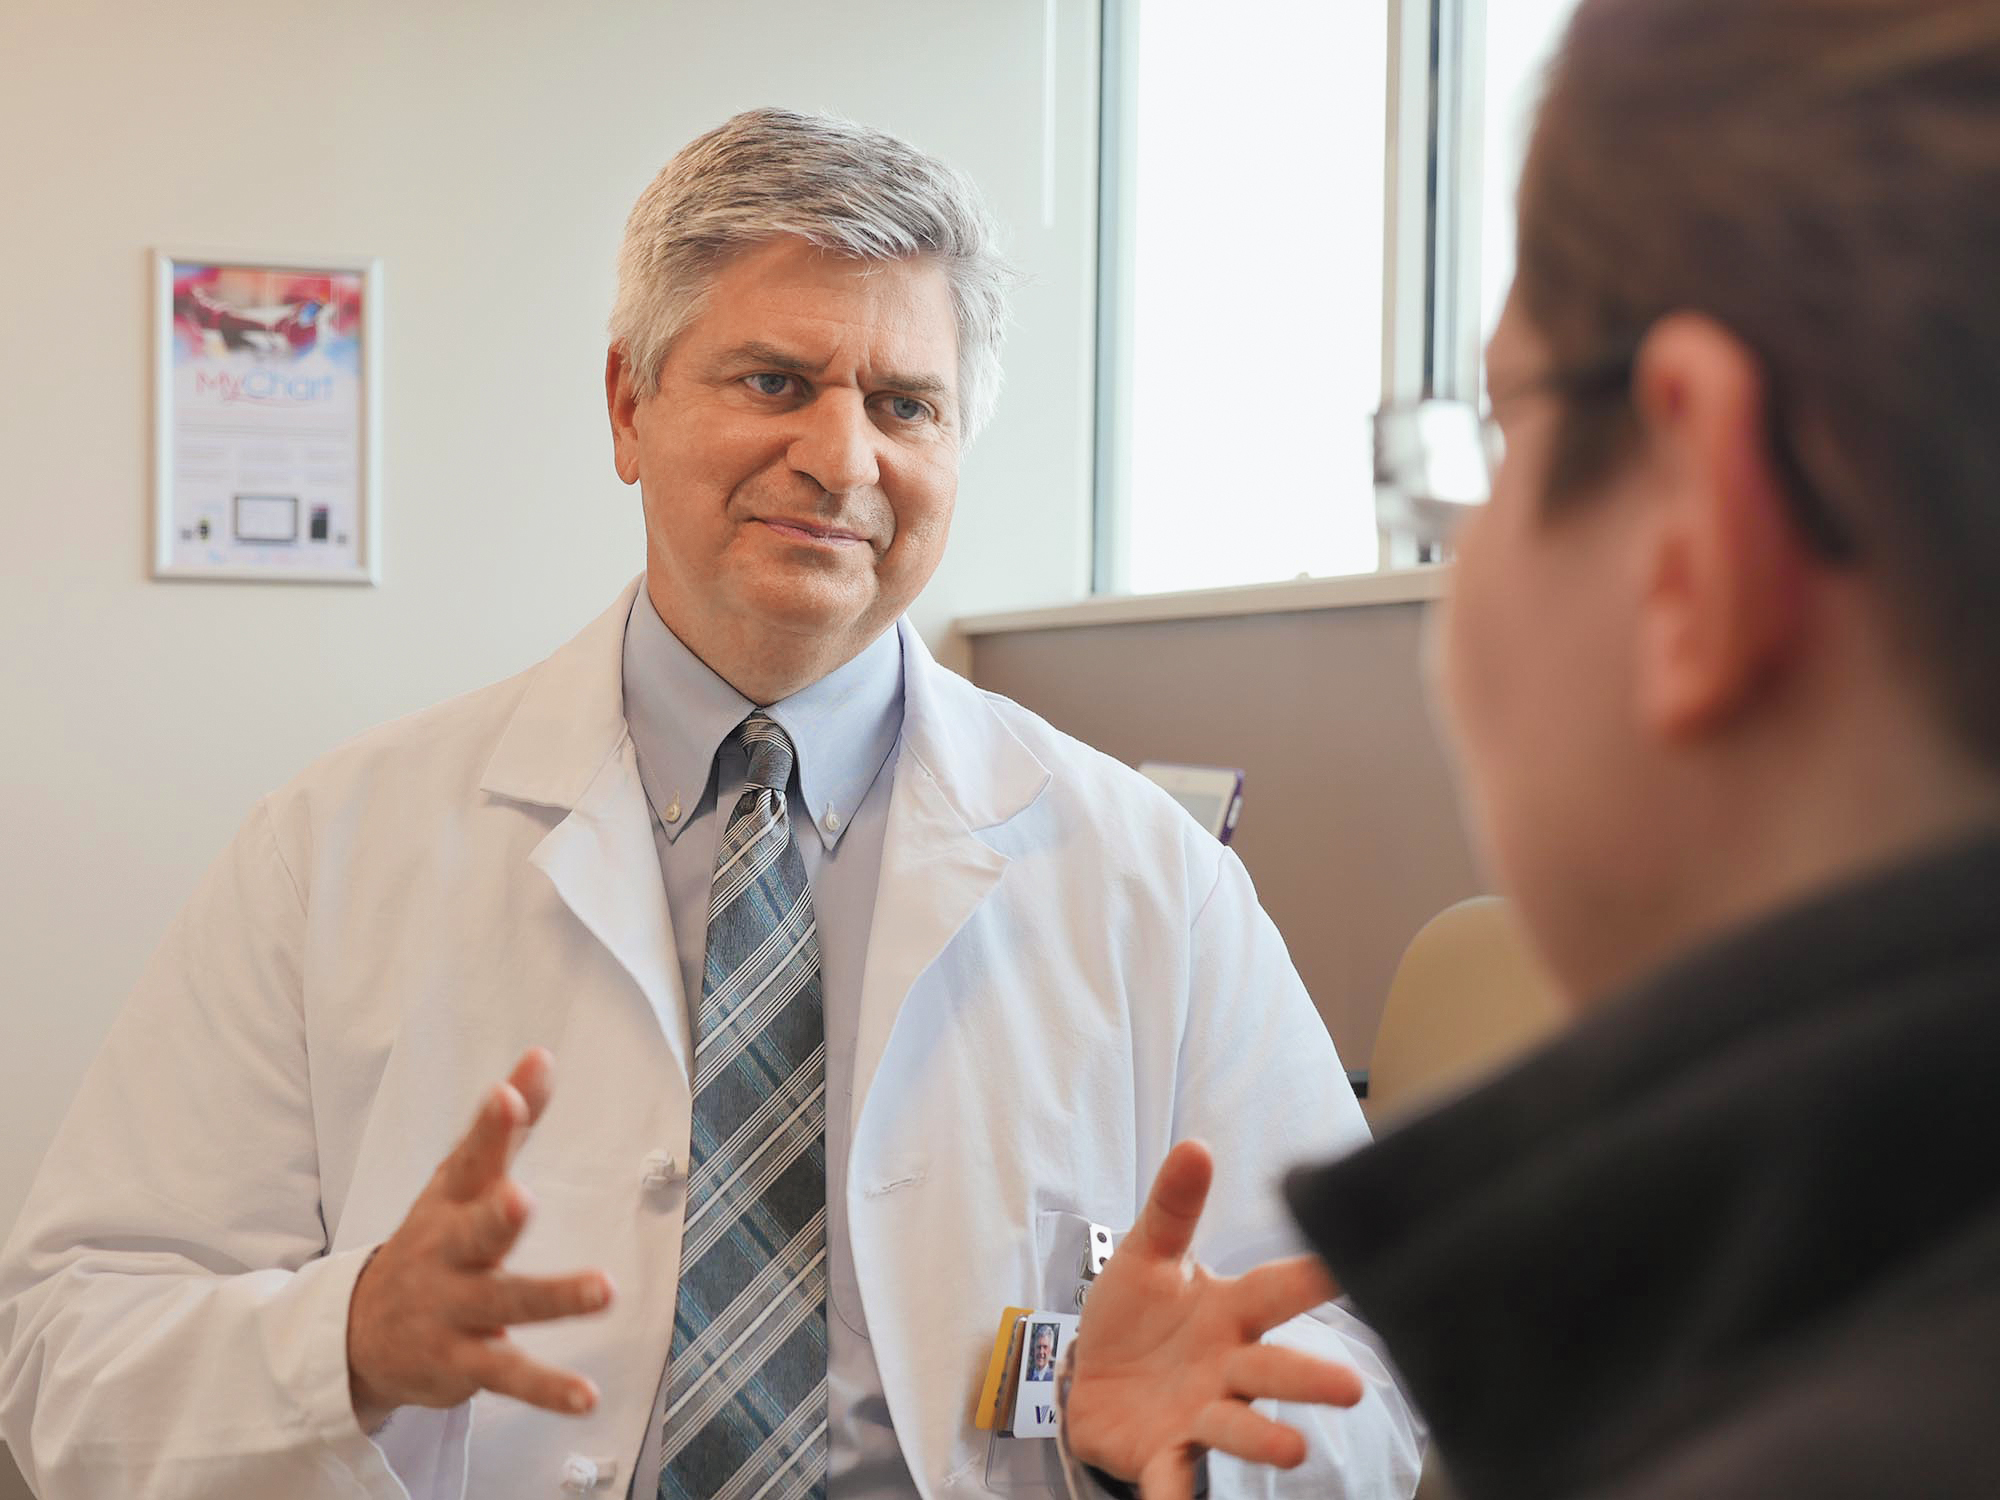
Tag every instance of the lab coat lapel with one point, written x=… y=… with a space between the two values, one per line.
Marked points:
x=567 y=746
x=934 y=875
x=960 y=770
x=602 y=862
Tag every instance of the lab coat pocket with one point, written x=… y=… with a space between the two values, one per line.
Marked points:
x=1063 y=1248
x=1023 y=1466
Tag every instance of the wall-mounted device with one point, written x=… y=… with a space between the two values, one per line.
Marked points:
x=1213 y=795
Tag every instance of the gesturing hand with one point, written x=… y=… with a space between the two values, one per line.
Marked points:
x=427 y=1324
x=1168 y=1356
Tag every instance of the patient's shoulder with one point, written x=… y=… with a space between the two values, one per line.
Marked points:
x=1897 y=1399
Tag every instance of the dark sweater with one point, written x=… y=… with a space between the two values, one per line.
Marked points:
x=1737 y=1235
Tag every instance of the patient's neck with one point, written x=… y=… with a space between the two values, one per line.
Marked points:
x=1775 y=822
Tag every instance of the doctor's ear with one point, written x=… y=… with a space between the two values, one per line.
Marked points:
x=621 y=400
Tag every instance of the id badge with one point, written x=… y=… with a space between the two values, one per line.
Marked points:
x=1017 y=1402
x=1019 y=1460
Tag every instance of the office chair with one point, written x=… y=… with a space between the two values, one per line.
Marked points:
x=1468 y=997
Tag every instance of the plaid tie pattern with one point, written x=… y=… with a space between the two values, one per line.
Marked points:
x=746 y=1382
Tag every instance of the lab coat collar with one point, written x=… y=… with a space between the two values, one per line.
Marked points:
x=951 y=728
x=571 y=717
x=571 y=720
x=567 y=747
x=962 y=771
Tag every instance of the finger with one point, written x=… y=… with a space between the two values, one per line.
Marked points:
x=485 y=1230
x=1167 y=1223
x=534 y=1079
x=1273 y=1372
x=481 y=1156
x=1169 y=1476
x=503 y=1369
x=505 y=1299
x=1233 y=1428
x=1283 y=1289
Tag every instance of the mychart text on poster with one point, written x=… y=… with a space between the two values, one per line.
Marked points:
x=266 y=401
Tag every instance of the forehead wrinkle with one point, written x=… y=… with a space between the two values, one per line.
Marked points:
x=890 y=326
x=918 y=385
x=757 y=352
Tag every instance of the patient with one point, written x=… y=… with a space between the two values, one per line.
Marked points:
x=1723 y=664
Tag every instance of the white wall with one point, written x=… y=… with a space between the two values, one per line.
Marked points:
x=488 y=154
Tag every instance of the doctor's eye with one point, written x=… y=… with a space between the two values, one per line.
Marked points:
x=769 y=383
x=908 y=409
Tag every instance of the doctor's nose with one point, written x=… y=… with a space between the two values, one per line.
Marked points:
x=837 y=448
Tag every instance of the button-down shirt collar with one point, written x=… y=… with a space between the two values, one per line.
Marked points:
x=842 y=727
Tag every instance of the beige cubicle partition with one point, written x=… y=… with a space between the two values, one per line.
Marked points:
x=1350 y=822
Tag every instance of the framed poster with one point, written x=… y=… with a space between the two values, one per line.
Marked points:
x=266 y=413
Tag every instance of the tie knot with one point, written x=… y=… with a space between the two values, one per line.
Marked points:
x=770 y=750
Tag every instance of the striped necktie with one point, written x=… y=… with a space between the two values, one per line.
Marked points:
x=746 y=1382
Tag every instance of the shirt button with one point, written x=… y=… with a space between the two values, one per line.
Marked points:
x=672 y=811
x=581 y=1475
x=659 y=1170
x=831 y=822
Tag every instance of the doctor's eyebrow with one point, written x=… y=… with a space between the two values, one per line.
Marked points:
x=770 y=357
x=765 y=357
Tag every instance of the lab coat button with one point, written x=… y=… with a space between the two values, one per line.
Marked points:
x=581 y=1475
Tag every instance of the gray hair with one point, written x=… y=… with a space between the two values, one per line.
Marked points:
x=843 y=187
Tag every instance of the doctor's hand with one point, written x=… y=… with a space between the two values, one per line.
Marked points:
x=427 y=1323
x=1168 y=1358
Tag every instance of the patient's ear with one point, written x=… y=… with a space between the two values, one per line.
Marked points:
x=1726 y=572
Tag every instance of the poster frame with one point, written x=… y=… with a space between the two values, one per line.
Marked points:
x=366 y=567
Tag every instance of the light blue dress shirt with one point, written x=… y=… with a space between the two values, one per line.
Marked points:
x=845 y=729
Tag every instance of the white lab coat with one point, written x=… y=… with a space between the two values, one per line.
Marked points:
x=1065 y=976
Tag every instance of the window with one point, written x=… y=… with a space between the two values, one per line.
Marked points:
x=1521 y=36
x=1241 y=343
x=1305 y=207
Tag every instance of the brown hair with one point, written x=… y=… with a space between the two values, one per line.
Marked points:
x=1822 y=177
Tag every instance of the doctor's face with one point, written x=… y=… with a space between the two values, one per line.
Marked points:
x=1045 y=1348
x=799 y=461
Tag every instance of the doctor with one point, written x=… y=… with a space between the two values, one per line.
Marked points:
x=870 y=991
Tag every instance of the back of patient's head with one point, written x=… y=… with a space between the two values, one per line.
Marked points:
x=1822 y=178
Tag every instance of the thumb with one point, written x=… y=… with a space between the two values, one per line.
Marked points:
x=1168 y=1475
x=1173 y=1209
